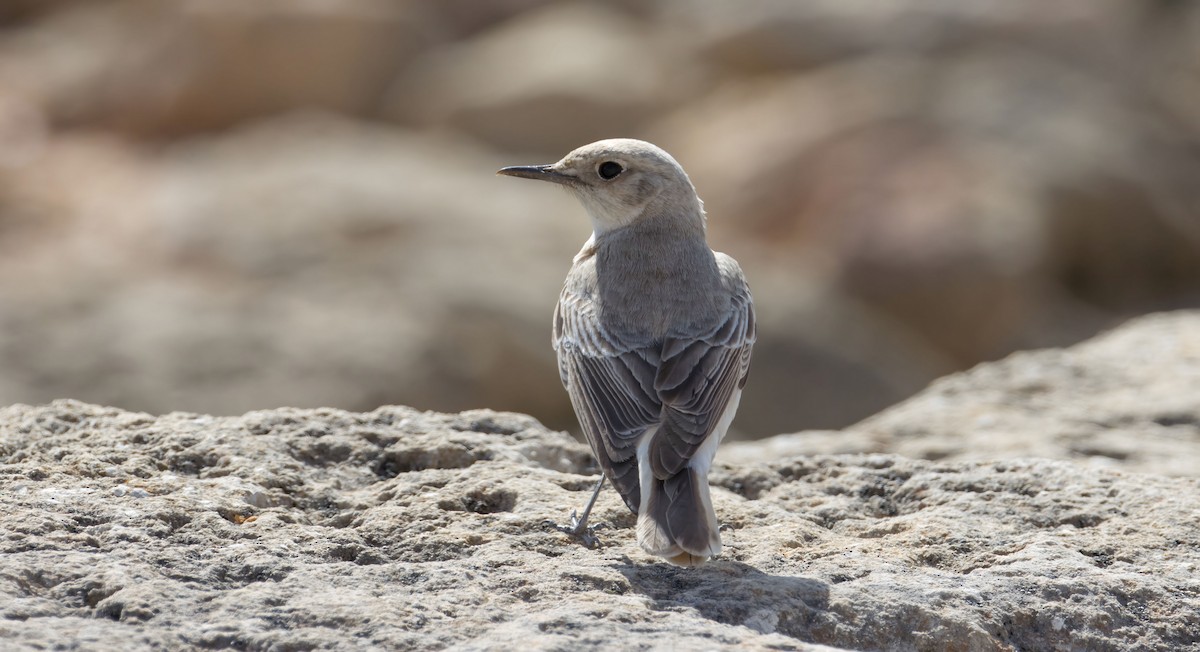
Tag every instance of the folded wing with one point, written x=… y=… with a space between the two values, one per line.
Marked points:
x=622 y=389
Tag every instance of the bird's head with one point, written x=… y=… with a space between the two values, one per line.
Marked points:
x=620 y=181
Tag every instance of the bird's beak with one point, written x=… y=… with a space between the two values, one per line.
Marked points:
x=542 y=172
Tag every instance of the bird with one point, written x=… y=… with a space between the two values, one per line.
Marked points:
x=653 y=333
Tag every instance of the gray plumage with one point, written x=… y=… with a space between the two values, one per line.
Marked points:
x=653 y=332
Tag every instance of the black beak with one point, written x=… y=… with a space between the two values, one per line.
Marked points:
x=542 y=172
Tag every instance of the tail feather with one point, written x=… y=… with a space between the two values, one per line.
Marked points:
x=690 y=516
x=679 y=522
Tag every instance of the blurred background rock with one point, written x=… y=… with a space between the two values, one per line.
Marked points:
x=218 y=205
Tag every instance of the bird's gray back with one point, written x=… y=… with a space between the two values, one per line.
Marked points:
x=635 y=348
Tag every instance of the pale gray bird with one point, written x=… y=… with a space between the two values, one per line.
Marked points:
x=653 y=332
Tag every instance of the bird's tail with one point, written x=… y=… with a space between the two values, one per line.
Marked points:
x=678 y=522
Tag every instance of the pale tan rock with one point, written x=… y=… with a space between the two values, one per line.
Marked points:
x=308 y=260
x=174 y=68
x=1125 y=400
x=547 y=81
x=413 y=530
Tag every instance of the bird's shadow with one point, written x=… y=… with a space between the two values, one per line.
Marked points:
x=735 y=593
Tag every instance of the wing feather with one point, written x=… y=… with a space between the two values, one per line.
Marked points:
x=696 y=381
x=623 y=389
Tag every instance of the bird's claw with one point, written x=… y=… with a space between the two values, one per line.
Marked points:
x=579 y=530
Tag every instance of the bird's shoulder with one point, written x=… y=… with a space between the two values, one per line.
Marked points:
x=737 y=327
x=732 y=277
x=581 y=289
x=578 y=327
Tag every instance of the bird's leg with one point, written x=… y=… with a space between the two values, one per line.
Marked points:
x=578 y=526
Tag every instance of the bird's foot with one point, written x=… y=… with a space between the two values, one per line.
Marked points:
x=579 y=529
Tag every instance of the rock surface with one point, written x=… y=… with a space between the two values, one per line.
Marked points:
x=294 y=529
x=1129 y=398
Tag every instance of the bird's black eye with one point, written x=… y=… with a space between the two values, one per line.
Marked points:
x=609 y=169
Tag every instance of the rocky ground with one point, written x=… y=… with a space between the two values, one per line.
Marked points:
x=295 y=529
x=1127 y=399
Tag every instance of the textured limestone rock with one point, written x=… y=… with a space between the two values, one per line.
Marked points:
x=397 y=529
x=1128 y=399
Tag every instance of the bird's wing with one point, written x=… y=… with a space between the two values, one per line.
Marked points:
x=611 y=385
x=695 y=382
x=621 y=389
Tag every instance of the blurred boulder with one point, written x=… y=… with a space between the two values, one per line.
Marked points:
x=308 y=260
x=547 y=81
x=764 y=36
x=964 y=200
x=199 y=207
x=1121 y=400
x=165 y=69
x=823 y=357
x=837 y=175
x=18 y=11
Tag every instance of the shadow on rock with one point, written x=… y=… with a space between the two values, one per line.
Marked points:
x=734 y=593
